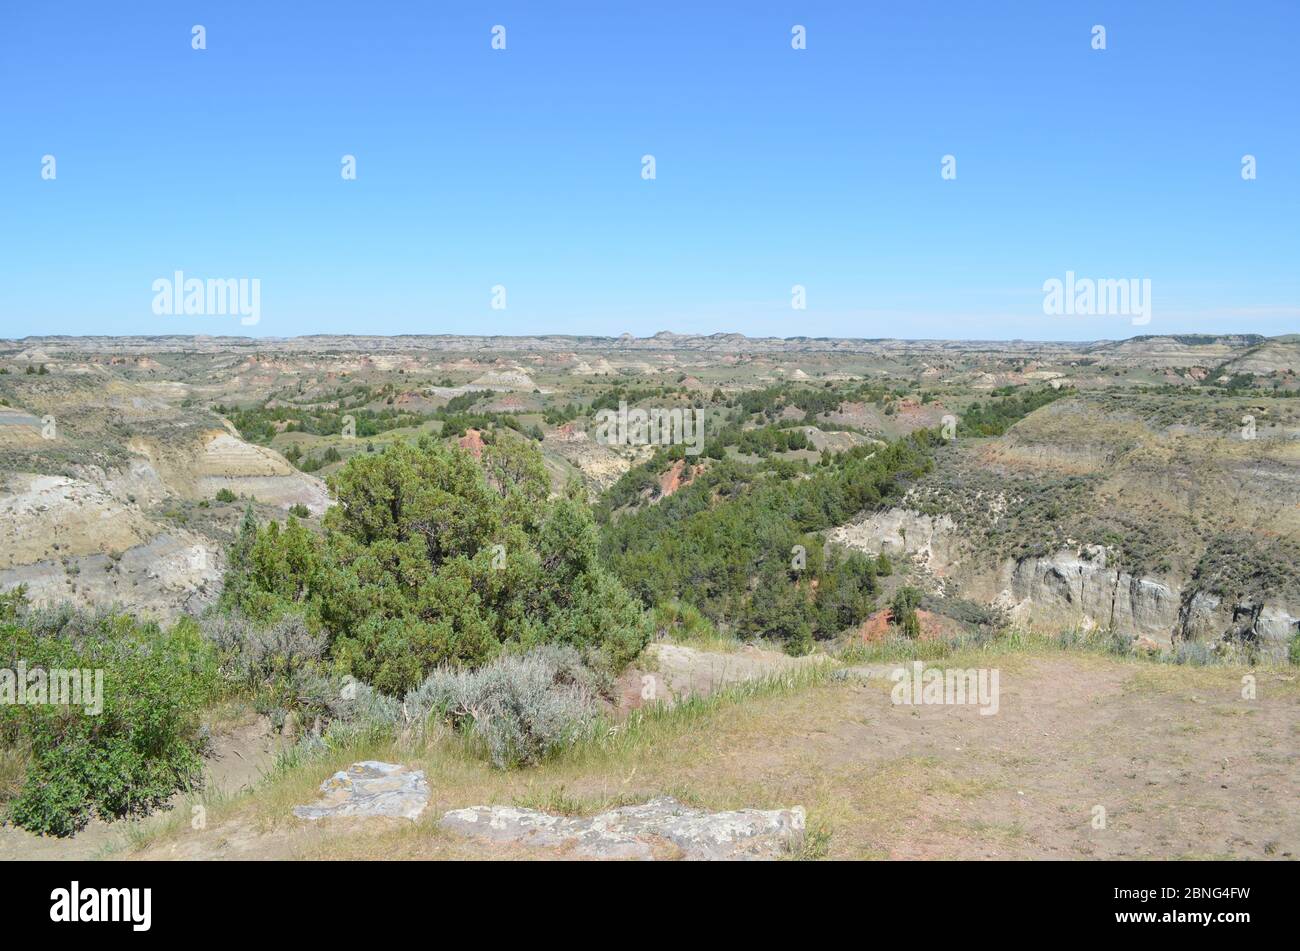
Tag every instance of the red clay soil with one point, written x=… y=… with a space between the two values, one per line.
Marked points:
x=472 y=441
x=877 y=626
x=670 y=480
x=918 y=416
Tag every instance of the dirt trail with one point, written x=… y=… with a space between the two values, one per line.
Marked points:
x=1181 y=765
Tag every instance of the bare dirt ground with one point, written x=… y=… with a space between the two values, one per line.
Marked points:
x=1183 y=766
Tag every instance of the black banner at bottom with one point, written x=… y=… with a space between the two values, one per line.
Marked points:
x=235 y=899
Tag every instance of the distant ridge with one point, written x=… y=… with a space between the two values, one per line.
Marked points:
x=1222 y=346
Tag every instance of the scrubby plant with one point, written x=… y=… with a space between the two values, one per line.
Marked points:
x=682 y=621
x=520 y=708
x=516 y=710
x=431 y=559
x=357 y=712
x=1193 y=653
x=133 y=753
x=252 y=656
x=902 y=610
x=1105 y=640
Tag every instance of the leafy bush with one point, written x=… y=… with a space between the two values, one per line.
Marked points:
x=145 y=743
x=430 y=559
x=225 y=495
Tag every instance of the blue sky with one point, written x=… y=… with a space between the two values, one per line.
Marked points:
x=775 y=167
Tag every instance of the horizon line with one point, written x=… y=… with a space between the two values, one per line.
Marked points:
x=632 y=338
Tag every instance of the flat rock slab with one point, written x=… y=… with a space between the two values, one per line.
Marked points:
x=634 y=832
x=370 y=788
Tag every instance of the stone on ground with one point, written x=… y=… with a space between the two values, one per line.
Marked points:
x=639 y=832
x=370 y=788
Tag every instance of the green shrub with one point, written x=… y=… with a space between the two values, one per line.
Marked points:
x=682 y=621
x=430 y=559
x=903 y=610
x=225 y=495
x=145 y=743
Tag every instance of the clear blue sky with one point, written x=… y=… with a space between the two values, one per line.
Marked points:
x=775 y=167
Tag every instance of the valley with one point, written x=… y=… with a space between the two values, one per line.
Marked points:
x=1116 y=525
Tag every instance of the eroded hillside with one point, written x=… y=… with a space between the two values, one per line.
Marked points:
x=1162 y=516
x=110 y=490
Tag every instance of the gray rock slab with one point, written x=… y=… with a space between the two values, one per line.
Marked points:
x=370 y=788
x=631 y=832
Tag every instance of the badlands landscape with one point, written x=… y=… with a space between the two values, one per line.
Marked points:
x=1114 y=526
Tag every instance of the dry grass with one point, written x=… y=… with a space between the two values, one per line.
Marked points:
x=877 y=780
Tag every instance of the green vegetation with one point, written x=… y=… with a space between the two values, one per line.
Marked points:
x=773 y=400
x=739 y=545
x=681 y=621
x=429 y=559
x=997 y=416
x=459 y=591
x=316 y=463
x=260 y=424
x=902 y=610
x=121 y=760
